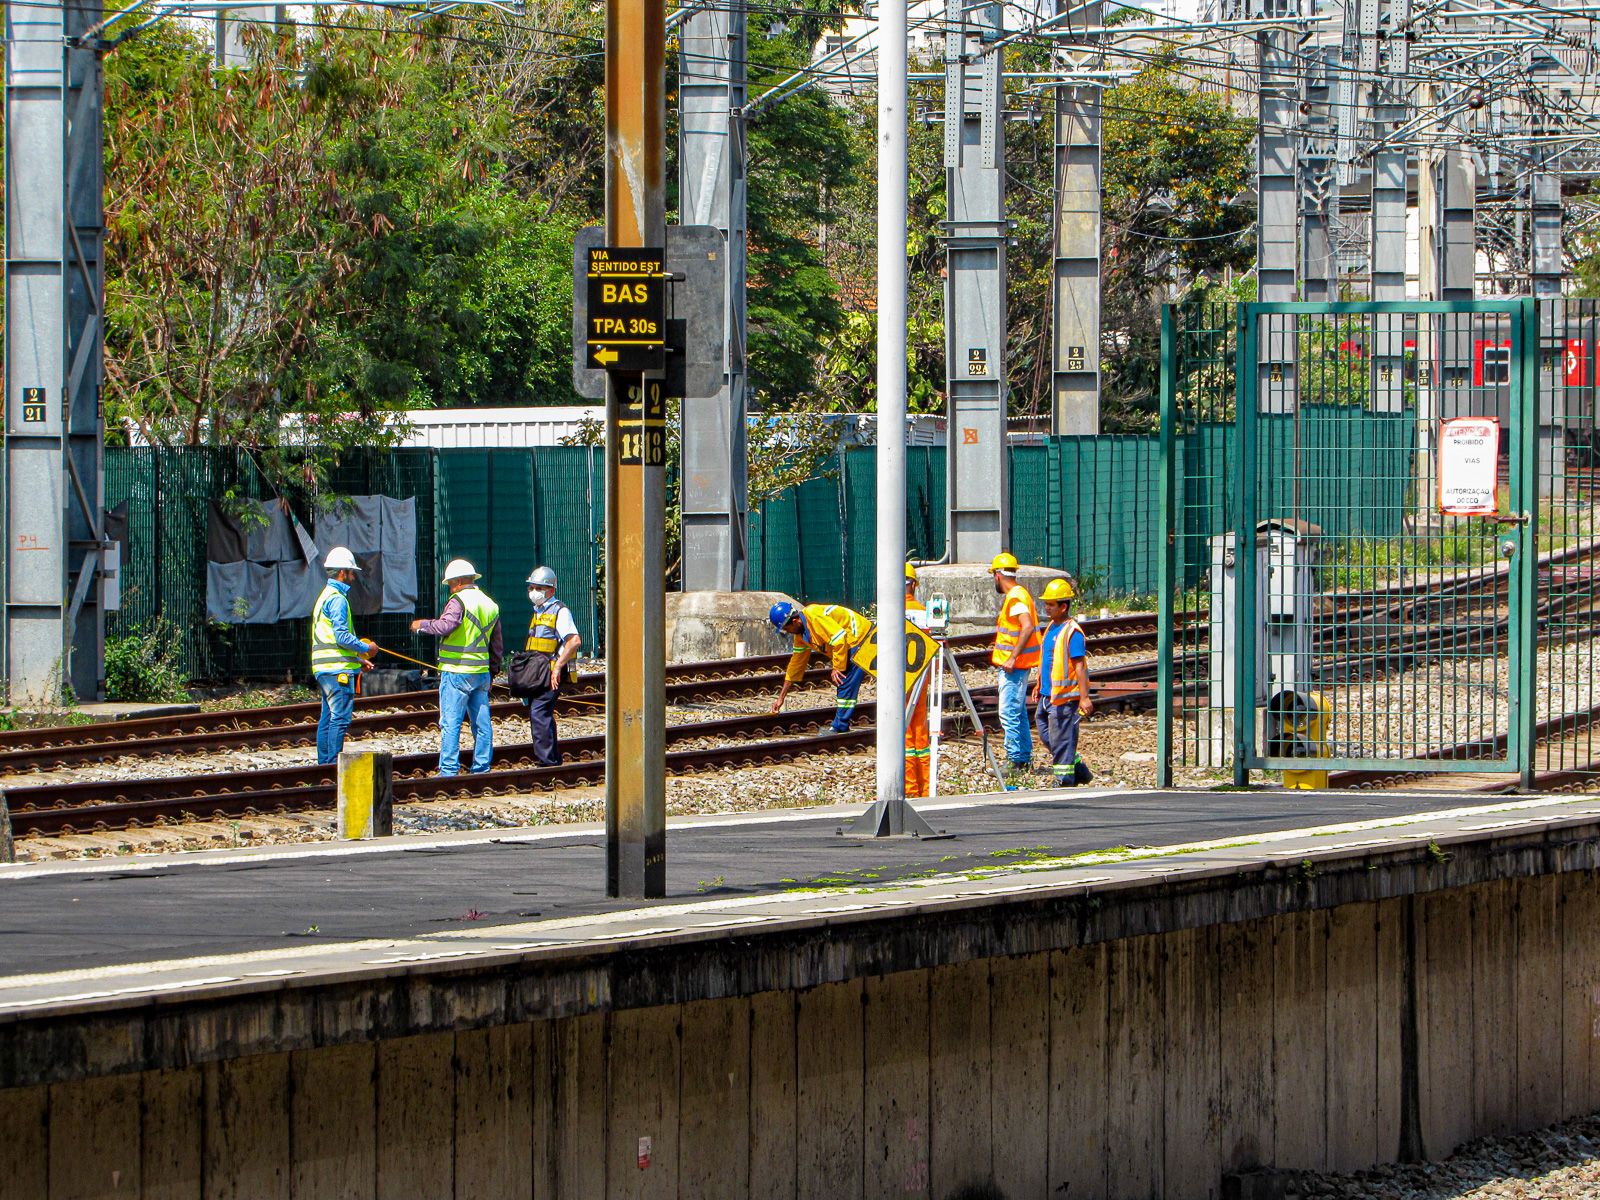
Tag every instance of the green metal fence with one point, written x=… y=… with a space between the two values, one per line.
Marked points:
x=1374 y=616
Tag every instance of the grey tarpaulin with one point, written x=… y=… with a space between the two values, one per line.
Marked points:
x=354 y=522
x=398 y=541
x=366 y=593
x=270 y=538
x=299 y=585
x=242 y=593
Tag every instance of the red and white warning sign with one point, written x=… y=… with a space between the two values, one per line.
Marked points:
x=1469 y=466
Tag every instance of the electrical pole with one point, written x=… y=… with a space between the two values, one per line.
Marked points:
x=1075 y=316
x=636 y=809
x=714 y=480
x=54 y=461
x=976 y=233
x=227 y=32
x=1277 y=176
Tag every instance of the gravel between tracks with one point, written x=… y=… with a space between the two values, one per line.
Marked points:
x=1561 y=1162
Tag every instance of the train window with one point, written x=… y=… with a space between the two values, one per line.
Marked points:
x=1493 y=365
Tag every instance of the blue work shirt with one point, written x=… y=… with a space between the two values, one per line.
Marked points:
x=339 y=617
x=1077 y=647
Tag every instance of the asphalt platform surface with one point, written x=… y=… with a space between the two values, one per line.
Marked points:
x=96 y=913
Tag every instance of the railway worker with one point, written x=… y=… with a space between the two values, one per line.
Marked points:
x=1016 y=653
x=1062 y=694
x=917 y=722
x=470 y=650
x=830 y=629
x=553 y=633
x=337 y=654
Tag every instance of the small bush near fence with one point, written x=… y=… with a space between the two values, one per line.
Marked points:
x=144 y=668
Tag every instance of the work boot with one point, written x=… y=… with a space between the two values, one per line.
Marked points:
x=1081 y=772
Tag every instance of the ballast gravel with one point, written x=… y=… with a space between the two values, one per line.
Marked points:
x=1561 y=1162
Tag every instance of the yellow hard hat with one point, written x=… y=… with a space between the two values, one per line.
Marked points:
x=1057 y=589
x=911 y=573
x=1004 y=562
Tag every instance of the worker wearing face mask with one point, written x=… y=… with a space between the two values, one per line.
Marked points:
x=552 y=632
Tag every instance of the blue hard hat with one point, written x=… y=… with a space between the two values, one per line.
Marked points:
x=780 y=613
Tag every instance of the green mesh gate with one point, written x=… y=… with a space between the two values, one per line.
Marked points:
x=1380 y=613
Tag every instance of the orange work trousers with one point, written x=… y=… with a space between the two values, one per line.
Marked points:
x=917 y=748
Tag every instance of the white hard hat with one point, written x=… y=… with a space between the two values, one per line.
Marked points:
x=542 y=577
x=460 y=568
x=340 y=559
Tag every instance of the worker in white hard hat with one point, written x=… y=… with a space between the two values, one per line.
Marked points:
x=470 y=650
x=337 y=654
x=553 y=633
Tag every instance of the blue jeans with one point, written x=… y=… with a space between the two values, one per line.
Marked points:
x=337 y=701
x=845 y=698
x=464 y=696
x=1014 y=715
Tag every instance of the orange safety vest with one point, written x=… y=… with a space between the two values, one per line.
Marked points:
x=1008 y=629
x=1063 y=683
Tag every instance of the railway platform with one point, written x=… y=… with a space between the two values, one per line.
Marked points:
x=349 y=903
x=1123 y=994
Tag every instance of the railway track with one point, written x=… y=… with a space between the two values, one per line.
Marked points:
x=130 y=803
x=26 y=750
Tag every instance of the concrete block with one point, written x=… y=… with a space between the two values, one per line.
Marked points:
x=366 y=794
x=708 y=625
x=969 y=587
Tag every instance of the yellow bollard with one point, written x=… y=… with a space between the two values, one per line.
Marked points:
x=366 y=794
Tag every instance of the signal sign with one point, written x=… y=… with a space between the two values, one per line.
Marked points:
x=627 y=295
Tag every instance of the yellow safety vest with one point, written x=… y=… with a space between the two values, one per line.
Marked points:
x=465 y=649
x=1008 y=629
x=1063 y=683
x=542 y=636
x=327 y=656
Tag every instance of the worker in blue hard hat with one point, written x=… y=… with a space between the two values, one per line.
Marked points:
x=830 y=629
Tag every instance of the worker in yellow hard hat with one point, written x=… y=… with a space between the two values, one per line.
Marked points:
x=1062 y=694
x=917 y=723
x=1016 y=653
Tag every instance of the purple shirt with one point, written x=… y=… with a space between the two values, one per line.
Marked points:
x=450 y=620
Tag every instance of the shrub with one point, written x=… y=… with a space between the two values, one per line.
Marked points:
x=143 y=668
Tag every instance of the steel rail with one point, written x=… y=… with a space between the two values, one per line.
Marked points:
x=718 y=679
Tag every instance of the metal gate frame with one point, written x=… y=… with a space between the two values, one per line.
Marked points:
x=1519 y=533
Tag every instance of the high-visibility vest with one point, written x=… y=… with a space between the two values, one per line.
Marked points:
x=465 y=649
x=542 y=635
x=327 y=656
x=1063 y=683
x=1008 y=629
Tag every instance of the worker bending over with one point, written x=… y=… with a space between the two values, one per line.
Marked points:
x=1062 y=694
x=553 y=633
x=470 y=651
x=829 y=629
x=1016 y=653
x=337 y=654
x=917 y=722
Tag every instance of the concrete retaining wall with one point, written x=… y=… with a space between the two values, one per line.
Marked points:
x=1140 y=1066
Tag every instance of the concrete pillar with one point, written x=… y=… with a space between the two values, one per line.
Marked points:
x=1545 y=218
x=714 y=482
x=54 y=628
x=1387 y=267
x=1276 y=167
x=976 y=234
x=1075 y=355
x=228 y=49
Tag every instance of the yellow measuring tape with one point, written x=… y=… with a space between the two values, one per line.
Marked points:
x=431 y=667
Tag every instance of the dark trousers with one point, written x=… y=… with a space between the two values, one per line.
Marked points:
x=542 y=723
x=1057 y=725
